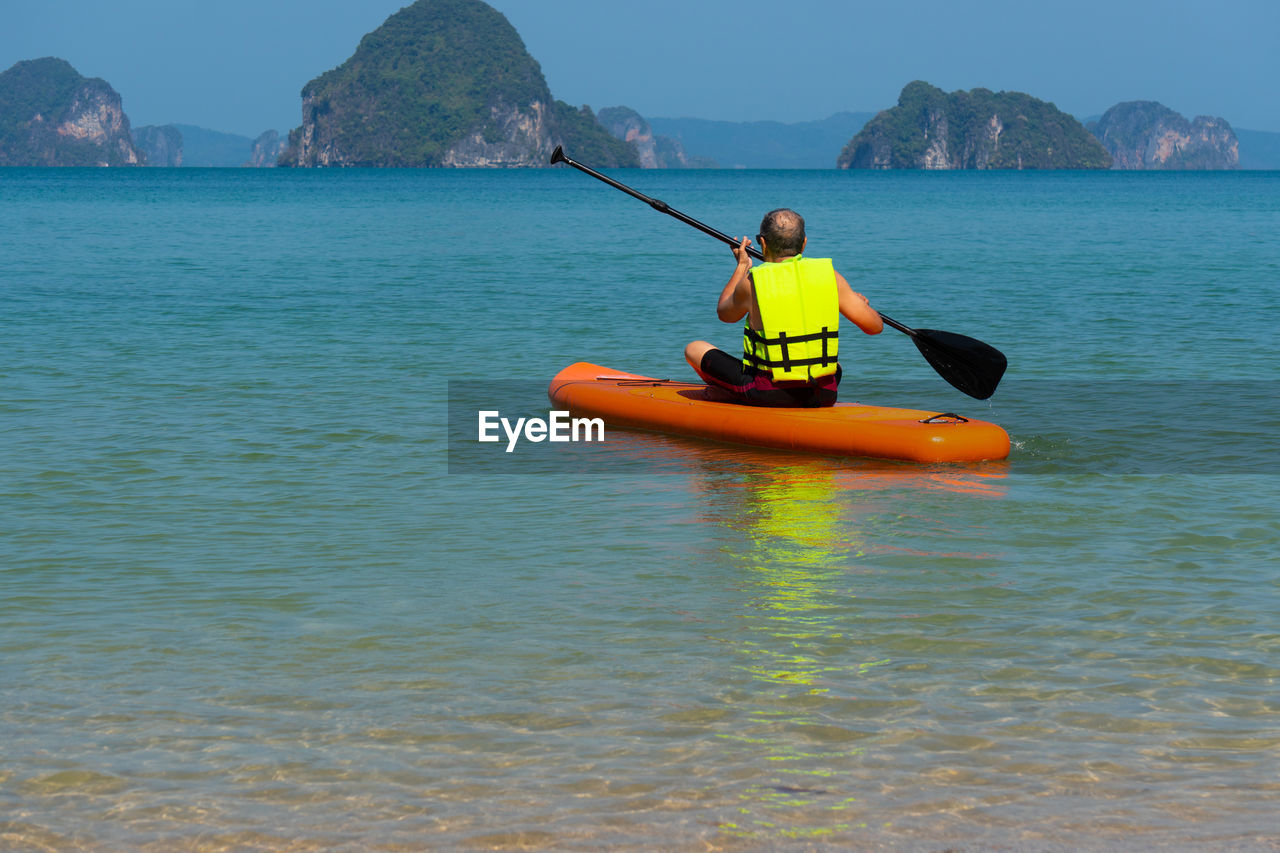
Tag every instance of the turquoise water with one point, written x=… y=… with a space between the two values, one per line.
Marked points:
x=249 y=604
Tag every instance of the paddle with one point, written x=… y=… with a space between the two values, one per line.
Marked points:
x=967 y=363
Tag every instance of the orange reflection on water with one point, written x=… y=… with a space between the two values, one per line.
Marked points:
x=658 y=453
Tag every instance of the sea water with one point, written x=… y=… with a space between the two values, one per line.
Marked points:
x=259 y=592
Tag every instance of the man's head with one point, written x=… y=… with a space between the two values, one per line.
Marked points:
x=782 y=232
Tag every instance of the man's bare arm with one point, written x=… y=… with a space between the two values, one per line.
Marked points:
x=735 y=299
x=857 y=309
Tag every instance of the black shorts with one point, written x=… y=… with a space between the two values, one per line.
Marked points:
x=749 y=385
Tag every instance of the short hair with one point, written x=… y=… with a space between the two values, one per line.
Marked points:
x=783 y=231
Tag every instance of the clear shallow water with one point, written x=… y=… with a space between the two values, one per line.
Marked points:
x=248 y=604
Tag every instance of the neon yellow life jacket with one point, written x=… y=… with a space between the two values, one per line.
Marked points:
x=800 y=313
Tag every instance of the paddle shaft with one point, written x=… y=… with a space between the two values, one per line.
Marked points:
x=661 y=206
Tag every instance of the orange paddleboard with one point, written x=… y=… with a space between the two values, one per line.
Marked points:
x=845 y=429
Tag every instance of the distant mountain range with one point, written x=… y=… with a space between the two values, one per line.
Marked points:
x=654 y=150
x=202 y=147
x=764 y=144
x=1259 y=149
x=199 y=147
x=450 y=83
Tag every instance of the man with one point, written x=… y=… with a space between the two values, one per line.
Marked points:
x=793 y=306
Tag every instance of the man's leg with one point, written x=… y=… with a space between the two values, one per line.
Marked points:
x=718 y=369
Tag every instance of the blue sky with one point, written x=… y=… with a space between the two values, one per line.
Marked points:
x=239 y=65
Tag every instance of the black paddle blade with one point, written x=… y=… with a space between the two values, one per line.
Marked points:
x=967 y=363
x=557 y=156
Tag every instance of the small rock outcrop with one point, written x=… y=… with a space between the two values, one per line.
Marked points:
x=654 y=150
x=50 y=115
x=1149 y=135
x=267 y=149
x=443 y=83
x=161 y=145
x=978 y=129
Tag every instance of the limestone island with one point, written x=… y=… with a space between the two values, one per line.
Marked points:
x=443 y=83
x=977 y=129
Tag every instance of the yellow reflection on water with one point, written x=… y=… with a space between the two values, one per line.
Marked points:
x=795 y=550
x=806 y=524
x=806 y=527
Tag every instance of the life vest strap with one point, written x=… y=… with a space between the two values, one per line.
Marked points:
x=784 y=339
x=784 y=342
x=757 y=361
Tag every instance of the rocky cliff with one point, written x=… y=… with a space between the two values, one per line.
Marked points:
x=52 y=116
x=161 y=145
x=655 y=151
x=1149 y=135
x=443 y=83
x=978 y=129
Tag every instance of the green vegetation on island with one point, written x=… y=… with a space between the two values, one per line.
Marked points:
x=578 y=130
x=51 y=115
x=978 y=129
x=442 y=83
